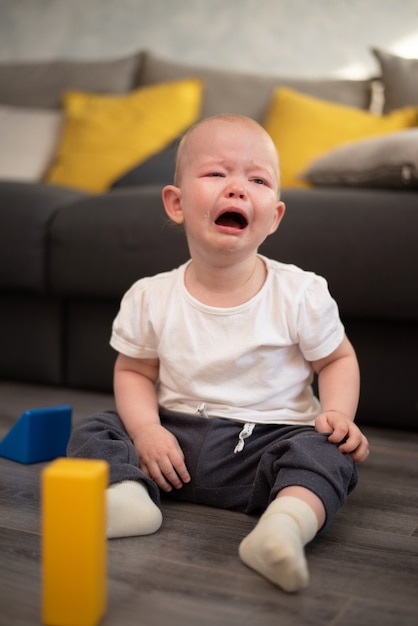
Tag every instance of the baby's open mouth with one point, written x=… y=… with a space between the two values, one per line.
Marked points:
x=232 y=220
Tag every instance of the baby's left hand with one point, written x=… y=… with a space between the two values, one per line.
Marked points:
x=344 y=430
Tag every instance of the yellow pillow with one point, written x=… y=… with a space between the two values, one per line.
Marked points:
x=303 y=127
x=106 y=135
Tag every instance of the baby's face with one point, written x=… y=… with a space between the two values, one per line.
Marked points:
x=229 y=185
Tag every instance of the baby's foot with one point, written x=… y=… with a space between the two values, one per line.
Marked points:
x=130 y=510
x=275 y=548
x=276 y=551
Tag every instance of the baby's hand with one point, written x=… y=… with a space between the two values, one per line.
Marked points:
x=344 y=432
x=160 y=457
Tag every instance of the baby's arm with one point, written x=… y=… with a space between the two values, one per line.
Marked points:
x=339 y=388
x=161 y=457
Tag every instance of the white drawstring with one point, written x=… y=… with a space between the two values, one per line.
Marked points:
x=247 y=431
x=201 y=409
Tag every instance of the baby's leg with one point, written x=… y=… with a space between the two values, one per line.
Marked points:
x=311 y=479
x=132 y=498
x=275 y=548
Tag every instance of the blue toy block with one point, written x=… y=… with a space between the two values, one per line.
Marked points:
x=38 y=435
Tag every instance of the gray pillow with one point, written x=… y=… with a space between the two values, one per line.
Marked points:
x=388 y=161
x=228 y=91
x=157 y=170
x=400 y=80
x=41 y=84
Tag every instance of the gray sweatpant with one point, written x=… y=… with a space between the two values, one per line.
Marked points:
x=273 y=457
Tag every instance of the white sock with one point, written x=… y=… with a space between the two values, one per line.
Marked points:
x=275 y=548
x=130 y=510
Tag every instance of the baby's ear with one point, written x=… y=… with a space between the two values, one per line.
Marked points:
x=172 y=203
x=279 y=212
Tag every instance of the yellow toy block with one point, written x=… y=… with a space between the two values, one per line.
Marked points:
x=74 y=542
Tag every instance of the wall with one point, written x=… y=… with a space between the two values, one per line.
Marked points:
x=298 y=37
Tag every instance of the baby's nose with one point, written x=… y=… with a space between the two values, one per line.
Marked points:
x=236 y=194
x=236 y=190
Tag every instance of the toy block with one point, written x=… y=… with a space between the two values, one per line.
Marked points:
x=38 y=435
x=74 y=542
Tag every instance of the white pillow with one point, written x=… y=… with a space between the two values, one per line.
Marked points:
x=28 y=139
x=387 y=162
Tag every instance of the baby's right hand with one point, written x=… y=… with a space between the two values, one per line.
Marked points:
x=160 y=457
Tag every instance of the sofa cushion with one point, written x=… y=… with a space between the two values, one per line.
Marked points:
x=362 y=241
x=304 y=127
x=102 y=244
x=248 y=93
x=26 y=212
x=41 y=84
x=104 y=136
x=29 y=138
x=400 y=80
x=390 y=161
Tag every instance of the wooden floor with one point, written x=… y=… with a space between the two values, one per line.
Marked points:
x=364 y=569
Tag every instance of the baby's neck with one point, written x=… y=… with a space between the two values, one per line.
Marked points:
x=226 y=287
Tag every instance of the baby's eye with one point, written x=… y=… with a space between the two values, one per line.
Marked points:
x=209 y=174
x=259 y=181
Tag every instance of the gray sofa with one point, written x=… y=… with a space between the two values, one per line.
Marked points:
x=67 y=256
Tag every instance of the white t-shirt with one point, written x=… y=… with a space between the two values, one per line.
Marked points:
x=248 y=363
